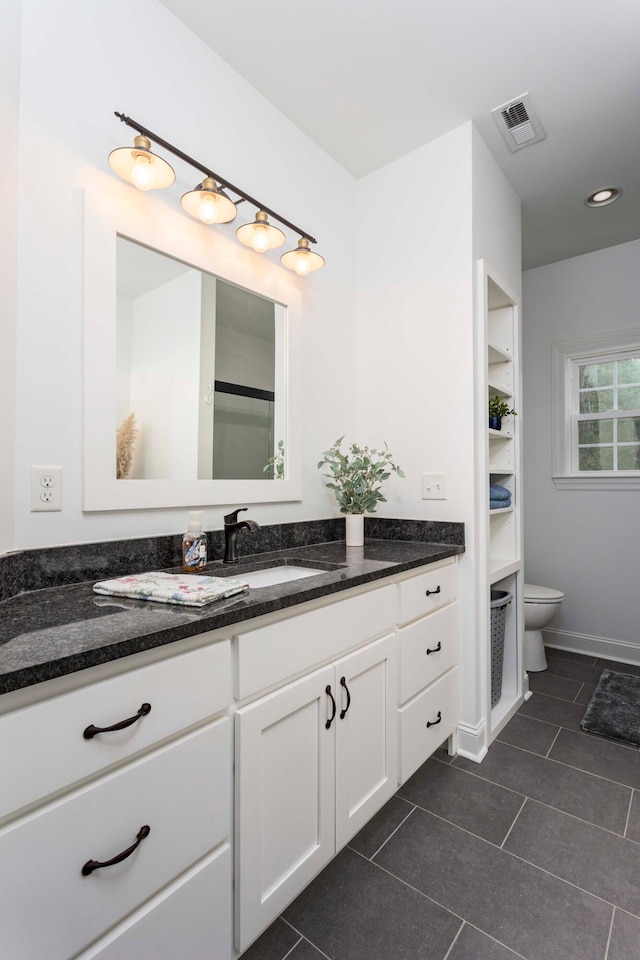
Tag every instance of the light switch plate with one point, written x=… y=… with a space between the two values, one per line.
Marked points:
x=434 y=486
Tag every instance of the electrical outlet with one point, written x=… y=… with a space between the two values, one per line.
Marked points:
x=434 y=486
x=46 y=488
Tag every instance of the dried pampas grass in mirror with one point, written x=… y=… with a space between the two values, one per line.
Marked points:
x=125 y=439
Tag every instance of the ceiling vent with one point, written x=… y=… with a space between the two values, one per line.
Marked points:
x=519 y=123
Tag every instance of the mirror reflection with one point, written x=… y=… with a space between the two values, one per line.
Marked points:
x=199 y=373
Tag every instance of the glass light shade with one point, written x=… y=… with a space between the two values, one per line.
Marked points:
x=208 y=203
x=302 y=259
x=260 y=235
x=139 y=166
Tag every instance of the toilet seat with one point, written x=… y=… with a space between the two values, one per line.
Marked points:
x=537 y=594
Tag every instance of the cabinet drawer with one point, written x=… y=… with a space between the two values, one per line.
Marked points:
x=270 y=655
x=417 y=740
x=183 y=690
x=427 y=592
x=182 y=792
x=191 y=919
x=428 y=648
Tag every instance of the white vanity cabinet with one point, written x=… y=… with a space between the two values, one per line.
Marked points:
x=315 y=760
x=429 y=684
x=161 y=784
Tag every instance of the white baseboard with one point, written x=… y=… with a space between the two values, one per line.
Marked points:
x=590 y=646
x=472 y=741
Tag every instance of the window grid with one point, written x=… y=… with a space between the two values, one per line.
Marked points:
x=614 y=414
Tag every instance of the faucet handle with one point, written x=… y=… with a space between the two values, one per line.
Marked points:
x=233 y=517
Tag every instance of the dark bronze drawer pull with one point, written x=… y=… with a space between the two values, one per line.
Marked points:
x=430 y=592
x=434 y=723
x=343 y=683
x=435 y=649
x=327 y=690
x=91 y=731
x=92 y=865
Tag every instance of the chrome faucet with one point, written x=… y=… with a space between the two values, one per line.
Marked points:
x=231 y=527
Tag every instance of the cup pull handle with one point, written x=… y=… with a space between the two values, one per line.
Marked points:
x=92 y=865
x=91 y=731
x=435 y=649
x=434 y=723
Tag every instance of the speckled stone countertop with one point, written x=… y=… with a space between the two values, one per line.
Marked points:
x=58 y=630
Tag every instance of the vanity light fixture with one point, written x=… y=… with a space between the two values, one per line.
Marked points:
x=209 y=201
x=302 y=259
x=139 y=166
x=260 y=235
x=603 y=197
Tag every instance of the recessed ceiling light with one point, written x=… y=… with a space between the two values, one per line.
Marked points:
x=603 y=196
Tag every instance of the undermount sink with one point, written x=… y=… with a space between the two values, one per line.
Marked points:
x=273 y=575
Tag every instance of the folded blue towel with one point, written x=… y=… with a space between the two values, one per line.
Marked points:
x=499 y=504
x=496 y=492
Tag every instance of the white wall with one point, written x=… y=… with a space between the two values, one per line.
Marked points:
x=9 y=109
x=81 y=60
x=584 y=543
x=414 y=323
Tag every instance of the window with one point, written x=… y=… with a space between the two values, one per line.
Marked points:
x=597 y=413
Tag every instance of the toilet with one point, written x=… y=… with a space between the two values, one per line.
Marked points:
x=540 y=606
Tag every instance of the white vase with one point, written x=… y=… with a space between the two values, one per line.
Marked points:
x=354 y=529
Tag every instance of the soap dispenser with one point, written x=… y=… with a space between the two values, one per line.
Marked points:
x=194 y=544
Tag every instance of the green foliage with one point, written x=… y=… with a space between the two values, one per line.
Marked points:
x=276 y=463
x=357 y=476
x=500 y=408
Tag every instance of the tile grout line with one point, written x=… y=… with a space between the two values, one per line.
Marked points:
x=514 y=823
x=289 y=952
x=613 y=916
x=454 y=941
x=520 y=956
x=546 y=756
x=575 y=699
x=626 y=826
x=413 y=807
x=302 y=937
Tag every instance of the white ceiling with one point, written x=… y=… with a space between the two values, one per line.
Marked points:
x=370 y=81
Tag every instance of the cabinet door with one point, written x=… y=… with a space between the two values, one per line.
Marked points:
x=366 y=735
x=285 y=761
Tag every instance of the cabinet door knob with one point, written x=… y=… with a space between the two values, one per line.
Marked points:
x=333 y=704
x=431 y=592
x=91 y=731
x=92 y=865
x=435 y=649
x=434 y=723
x=343 y=683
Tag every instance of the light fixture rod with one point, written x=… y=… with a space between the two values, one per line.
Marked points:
x=209 y=173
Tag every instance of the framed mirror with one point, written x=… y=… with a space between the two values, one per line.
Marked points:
x=190 y=363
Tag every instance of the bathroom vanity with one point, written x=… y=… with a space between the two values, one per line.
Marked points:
x=305 y=704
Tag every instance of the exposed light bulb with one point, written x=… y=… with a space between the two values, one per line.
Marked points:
x=302 y=264
x=142 y=173
x=260 y=238
x=207 y=210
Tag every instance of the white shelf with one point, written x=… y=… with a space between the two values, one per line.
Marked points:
x=495 y=390
x=500 y=434
x=498 y=355
x=501 y=567
x=500 y=471
x=501 y=511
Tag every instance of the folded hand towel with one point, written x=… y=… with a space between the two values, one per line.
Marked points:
x=188 y=589
x=499 y=504
x=496 y=492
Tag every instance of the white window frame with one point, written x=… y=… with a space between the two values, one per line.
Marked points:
x=565 y=357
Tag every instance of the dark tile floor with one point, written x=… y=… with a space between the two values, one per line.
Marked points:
x=535 y=853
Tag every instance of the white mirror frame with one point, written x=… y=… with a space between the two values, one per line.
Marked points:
x=157 y=226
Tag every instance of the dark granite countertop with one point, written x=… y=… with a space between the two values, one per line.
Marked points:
x=59 y=630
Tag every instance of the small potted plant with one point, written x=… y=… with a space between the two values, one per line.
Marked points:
x=498 y=408
x=356 y=478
